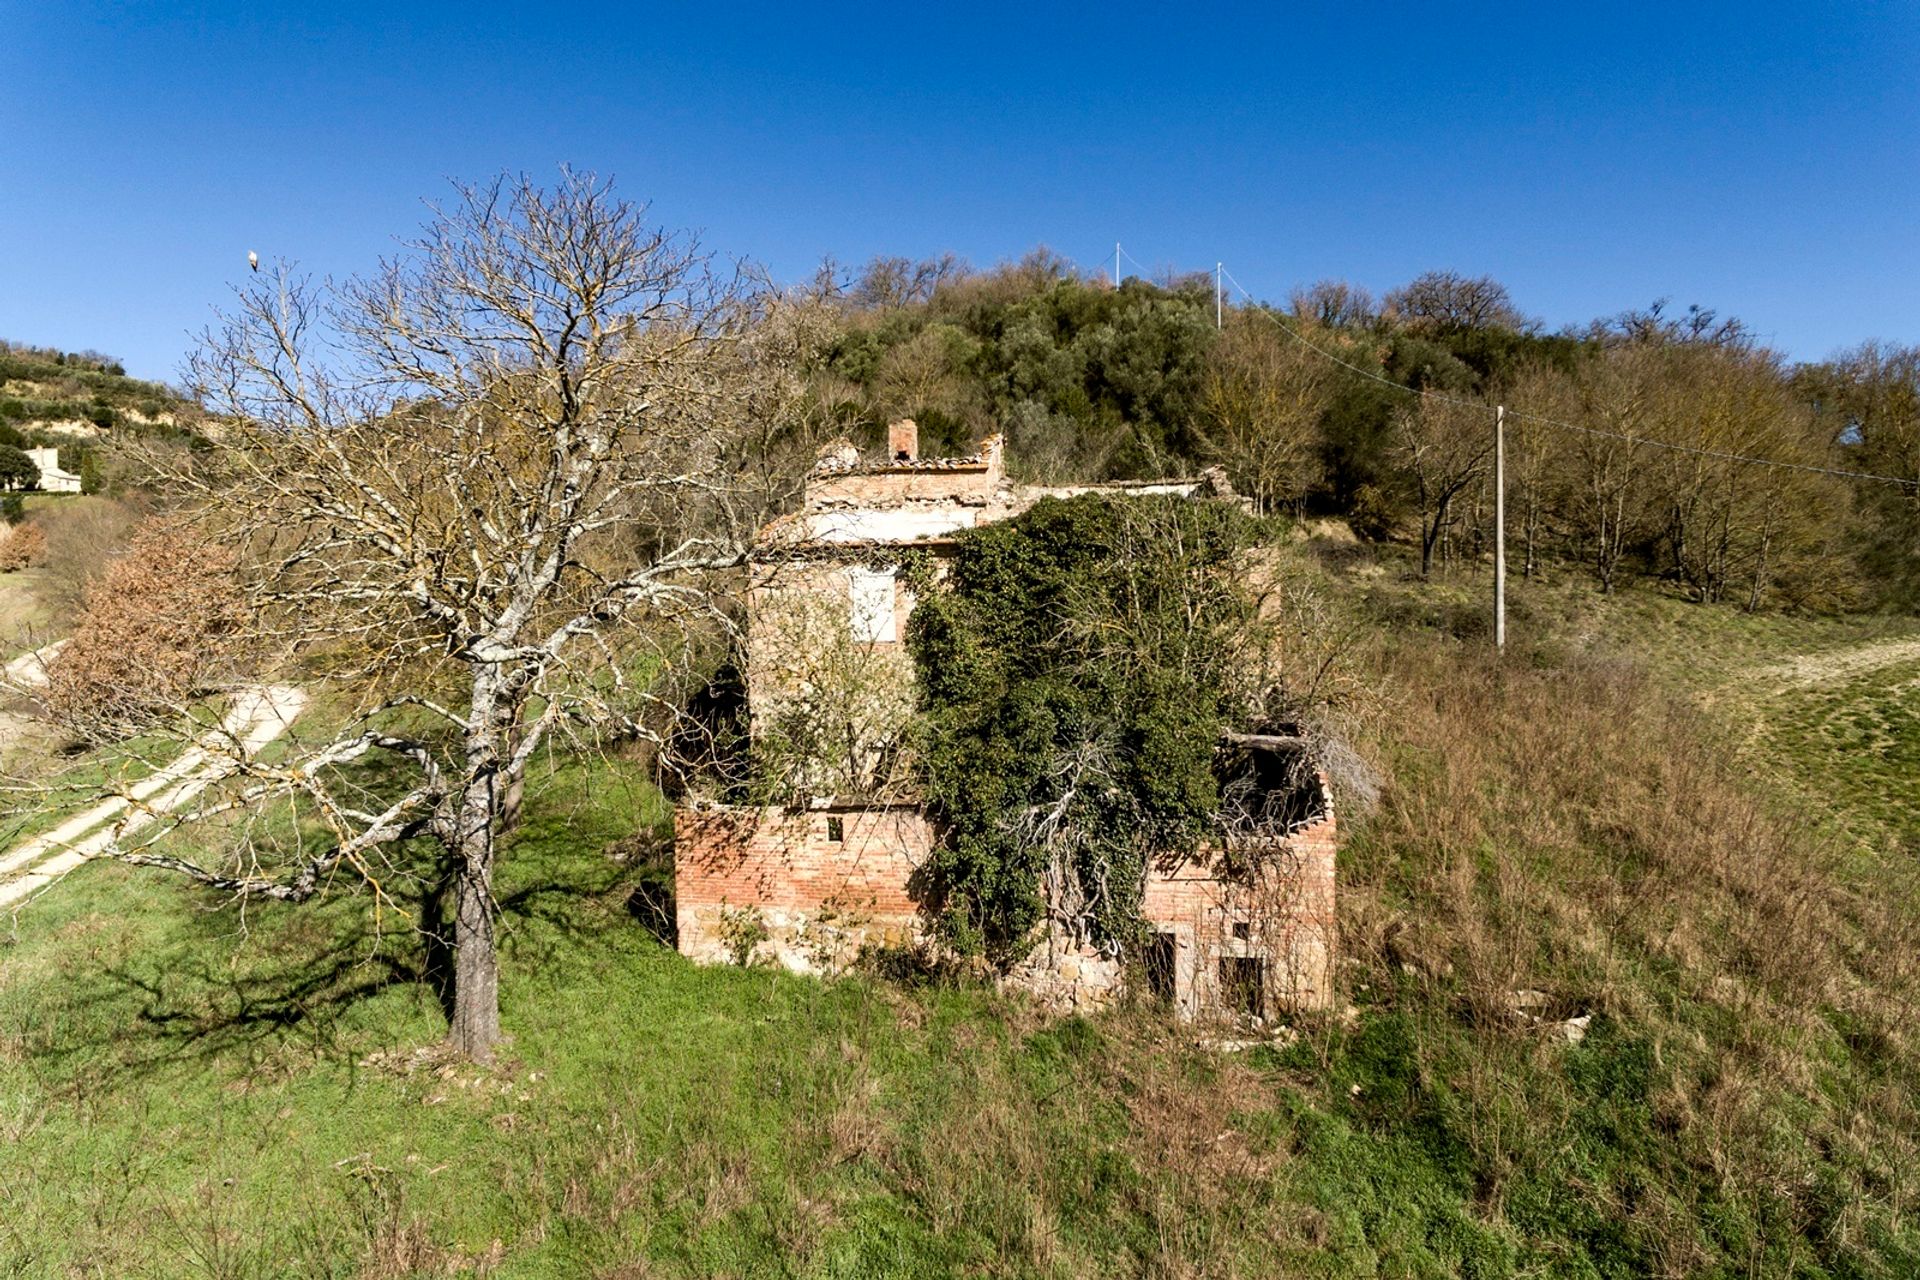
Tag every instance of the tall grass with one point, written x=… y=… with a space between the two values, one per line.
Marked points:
x=187 y=1091
x=1741 y=1104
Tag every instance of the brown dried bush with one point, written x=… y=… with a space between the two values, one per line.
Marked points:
x=158 y=626
x=21 y=547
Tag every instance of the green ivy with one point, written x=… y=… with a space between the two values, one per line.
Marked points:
x=1075 y=663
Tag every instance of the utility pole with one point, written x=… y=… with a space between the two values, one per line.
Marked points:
x=1500 y=527
x=1216 y=295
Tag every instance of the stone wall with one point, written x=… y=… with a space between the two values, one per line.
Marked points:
x=908 y=482
x=820 y=883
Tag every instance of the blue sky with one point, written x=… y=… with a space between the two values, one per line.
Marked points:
x=1762 y=159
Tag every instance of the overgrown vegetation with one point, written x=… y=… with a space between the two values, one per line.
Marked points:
x=1076 y=670
x=182 y=1098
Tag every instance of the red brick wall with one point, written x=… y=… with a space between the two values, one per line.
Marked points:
x=1286 y=903
x=821 y=900
x=784 y=865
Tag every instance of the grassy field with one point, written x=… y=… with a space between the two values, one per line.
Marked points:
x=1626 y=817
x=25 y=615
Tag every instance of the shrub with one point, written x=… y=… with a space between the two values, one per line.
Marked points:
x=21 y=546
x=157 y=627
x=1076 y=677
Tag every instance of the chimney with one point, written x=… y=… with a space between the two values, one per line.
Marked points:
x=903 y=441
x=993 y=452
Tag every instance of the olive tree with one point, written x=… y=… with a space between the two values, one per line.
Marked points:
x=490 y=493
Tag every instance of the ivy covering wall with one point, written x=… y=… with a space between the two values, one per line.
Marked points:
x=1075 y=673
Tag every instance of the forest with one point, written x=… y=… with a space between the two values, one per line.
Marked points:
x=1635 y=444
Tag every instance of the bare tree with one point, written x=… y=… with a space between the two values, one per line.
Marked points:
x=488 y=492
x=1262 y=397
x=889 y=283
x=1449 y=300
x=1333 y=304
x=1445 y=446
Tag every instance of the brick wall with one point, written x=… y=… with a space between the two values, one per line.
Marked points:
x=1284 y=903
x=819 y=899
x=1276 y=907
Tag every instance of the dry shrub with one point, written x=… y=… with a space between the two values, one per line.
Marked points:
x=159 y=625
x=22 y=547
x=1584 y=837
x=83 y=537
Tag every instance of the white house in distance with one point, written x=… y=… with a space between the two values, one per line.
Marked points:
x=52 y=478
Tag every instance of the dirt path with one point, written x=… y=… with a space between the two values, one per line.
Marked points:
x=1834 y=666
x=258 y=716
x=29 y=671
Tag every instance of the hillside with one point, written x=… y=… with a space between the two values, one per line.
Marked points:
x=80 y=393
x=1680 y=825
x=79 y=402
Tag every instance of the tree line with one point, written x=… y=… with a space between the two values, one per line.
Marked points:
x=1624 y=436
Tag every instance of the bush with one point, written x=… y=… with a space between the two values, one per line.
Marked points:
x=1077 y=666
x=158 y=627
x=22 y=546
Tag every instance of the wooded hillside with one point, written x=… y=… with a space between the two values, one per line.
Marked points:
x=1629 y=440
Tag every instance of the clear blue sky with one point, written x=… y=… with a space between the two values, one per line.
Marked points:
x=1761 y=158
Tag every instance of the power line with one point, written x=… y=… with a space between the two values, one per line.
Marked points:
x=1746 y=459
x=1146 y=272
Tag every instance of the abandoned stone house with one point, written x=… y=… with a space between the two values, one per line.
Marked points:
x=1243 y=926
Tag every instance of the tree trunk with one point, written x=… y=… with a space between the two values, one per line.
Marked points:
x=475 y=1027
x=510 y=804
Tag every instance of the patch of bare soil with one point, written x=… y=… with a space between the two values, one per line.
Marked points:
x=1835 y=666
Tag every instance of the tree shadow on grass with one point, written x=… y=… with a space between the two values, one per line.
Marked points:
x=289 y=989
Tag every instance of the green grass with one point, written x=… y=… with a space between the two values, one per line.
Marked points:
x=180 y=1098
x=185 y=1091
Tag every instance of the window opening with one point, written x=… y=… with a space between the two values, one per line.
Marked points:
x=1241 y=985
x=872 y=606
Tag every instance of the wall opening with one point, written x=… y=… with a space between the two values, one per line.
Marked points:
x=836 y=829
x=1242 y=985
x=1161 y=950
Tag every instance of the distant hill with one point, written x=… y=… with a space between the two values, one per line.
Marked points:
x=76 y=399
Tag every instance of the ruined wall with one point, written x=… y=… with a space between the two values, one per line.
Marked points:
x=744 y=872
x=1279 y=914
x=819 y=899
x=909 y=482
x=1271 y=905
